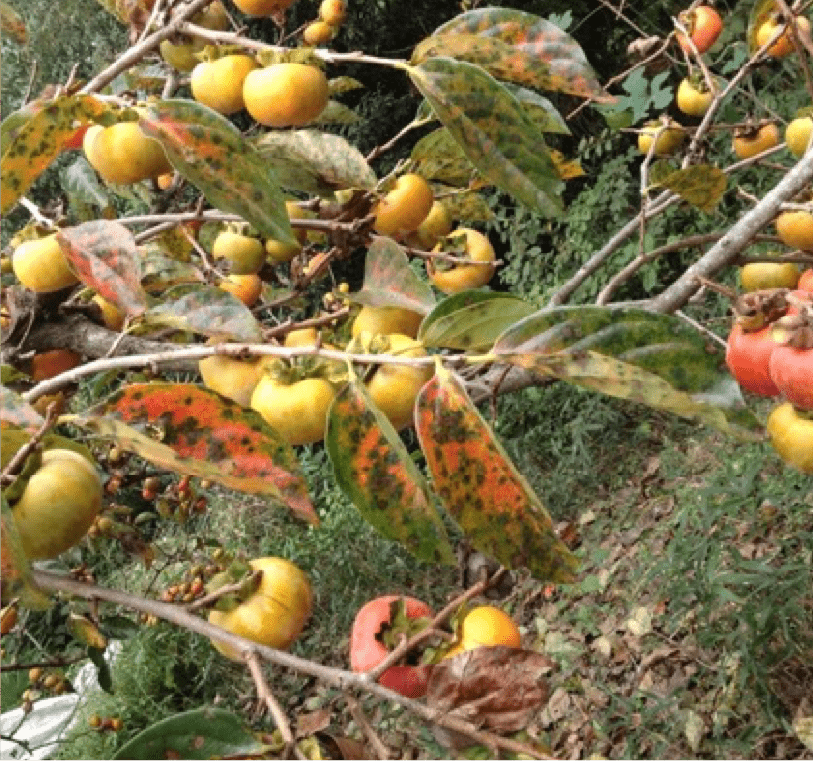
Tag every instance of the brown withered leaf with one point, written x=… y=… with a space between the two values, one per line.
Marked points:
x=497 y=688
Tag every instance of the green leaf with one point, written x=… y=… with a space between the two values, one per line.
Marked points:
x=192 y=430
x=472 y=320
x=209 y=151
x=82 y=629
x=373 y=468
x=540 y=110
x=701 y=185
x=104 y=256
x=160 y=272
x=103 y=674
x=34 y=136
x=438 y=156
x=518 y=47
x=207 y=310
x=82 y=185
x=493 y=130
x=480 y=487
x=314 y=162
x=200 y=734
x=651 y=358
x=389 y=281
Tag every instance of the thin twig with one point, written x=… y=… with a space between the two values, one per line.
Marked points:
x=357 y=712
x=227 y=589
x=16 y=463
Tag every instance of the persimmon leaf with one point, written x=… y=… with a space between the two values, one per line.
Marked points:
x=15 y=570
x=195 y=431
x=701 y=185
x=373 y=468
x=389 y=281
x=15 y=410
x=207 y=310
x=104 y=256
x=492 y=128
x=480 y=487
x=209 y=151
x=518 y=47
x=34 y=137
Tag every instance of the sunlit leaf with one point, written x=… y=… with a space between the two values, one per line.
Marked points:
x=314 y=162
x=209 y=151
x=701 y=185
x=651 y=358
x=105 y=257
x=337 y=113
x=192 y=430
x=160 y=272
x=207 y=310
x=389 y=280
x=373 y=468
x=35 y=142
x=539 y=109
x=518 y=47
x=438 y=156
x=469 y=208
x=85 y=631
x=567 y=169
x=472 y=319
x=200 y=734
x=493 y=130
x=480 y=487
x=12 y=24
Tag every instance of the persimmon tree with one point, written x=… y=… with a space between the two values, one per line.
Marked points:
x=162 y=291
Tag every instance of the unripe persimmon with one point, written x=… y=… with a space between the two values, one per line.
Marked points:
x=246 y=254
x=285 y=94
x=404 y=207
x=123 y=154
x=795 y=229
x=797 y=135
x=41 y=266
x=219 y=84
x=386 y=321
x=58 y=505
x=284 y=252
x=784 y=43
x=112 y=317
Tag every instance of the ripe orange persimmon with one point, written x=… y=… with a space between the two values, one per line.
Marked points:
x=219 y=84
x=453 y=278
x=487 y=626
x=404 y=207
x=261 y=8
x=784 y=43
x=285 y=94
x=752 y=143
x=247 y=288
x=318 y=33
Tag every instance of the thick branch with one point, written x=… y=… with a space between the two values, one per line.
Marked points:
x=726 y=250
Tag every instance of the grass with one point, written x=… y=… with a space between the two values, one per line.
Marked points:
x=687 y=634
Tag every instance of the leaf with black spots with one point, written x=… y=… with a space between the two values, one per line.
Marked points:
x=633 y=354
x=192 y=430
x=480 y=486
x=518 y=47
x=105 y=257
x=209 y=151
x=701 y=185
x=34 y=136
x=492 y=128
x=373 y=468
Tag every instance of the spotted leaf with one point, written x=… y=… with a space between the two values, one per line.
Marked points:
x=192 y=430
x=207 y=310
x=472 y=319
x=701 y=185
x=493 y=130
x=314 y=162
x=209 y=151
x=34 y=137
x=389 y=281
x=104 y=256
x=518 y=47
x=480 y=487
x=373 y=468
x=633 y=354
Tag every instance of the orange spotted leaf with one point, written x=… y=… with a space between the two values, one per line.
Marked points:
x=210 y=152
x=481 y=488
x=373 y=468
x=518 y=47
x=104 y=257
x=38 y=137
x=192 y=430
